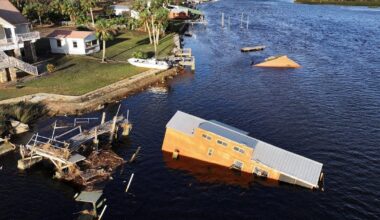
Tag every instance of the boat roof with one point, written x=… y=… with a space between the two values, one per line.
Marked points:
x=287 y=163
x=89 y=196
x=229 y=132
x=184 y=122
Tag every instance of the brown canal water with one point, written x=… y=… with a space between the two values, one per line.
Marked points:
x=328 y=110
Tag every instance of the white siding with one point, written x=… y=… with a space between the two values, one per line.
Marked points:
x=68 y=45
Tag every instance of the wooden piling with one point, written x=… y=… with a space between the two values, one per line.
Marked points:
x=222 y=20
x=103 y=117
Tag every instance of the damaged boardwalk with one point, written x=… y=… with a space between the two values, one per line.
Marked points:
x=64 y=153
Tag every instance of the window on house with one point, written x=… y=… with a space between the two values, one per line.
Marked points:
x=240 y=150
x=224 y=144
x=205 y=136
x=75 y=44
x=238 y=164
x=260 y=172
x=210 y=152
x=59 y=43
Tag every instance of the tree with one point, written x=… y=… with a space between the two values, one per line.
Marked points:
x=153 y=18
x=71 y=8
x=88 y=5
x=159 y=22
x=35 y=8
x=104 y=31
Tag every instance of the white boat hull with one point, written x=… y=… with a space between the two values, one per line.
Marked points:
x=149 y=63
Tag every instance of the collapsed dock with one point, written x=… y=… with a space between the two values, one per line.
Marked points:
x=67 y=151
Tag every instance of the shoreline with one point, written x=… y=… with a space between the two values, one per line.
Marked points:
x=340 y=3
x=66 y=104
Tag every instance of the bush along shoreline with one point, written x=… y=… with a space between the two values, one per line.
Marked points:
x=23 y=112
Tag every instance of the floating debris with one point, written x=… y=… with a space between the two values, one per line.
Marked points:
x=251 y=49
x=73 y=160
x=278 y=62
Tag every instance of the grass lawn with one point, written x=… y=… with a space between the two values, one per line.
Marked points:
x=77 y=75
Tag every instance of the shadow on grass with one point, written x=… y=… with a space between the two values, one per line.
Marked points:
x=116 y=41
x=65 y=67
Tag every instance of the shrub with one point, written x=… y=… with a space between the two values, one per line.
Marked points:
x=50 y=68
x=140 y=55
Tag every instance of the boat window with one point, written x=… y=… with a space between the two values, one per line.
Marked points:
x=210 y=152
x=238 y=164
x=94 y=42
x=205 y=136
x=238 y=149
x=221 y=143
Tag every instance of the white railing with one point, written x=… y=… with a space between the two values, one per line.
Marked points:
x=29 y=36
x=6 y=62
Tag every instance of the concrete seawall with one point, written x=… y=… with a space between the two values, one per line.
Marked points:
x=63 y=104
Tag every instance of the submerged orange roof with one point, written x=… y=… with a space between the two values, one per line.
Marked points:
x=279 y=62
x=69 y=34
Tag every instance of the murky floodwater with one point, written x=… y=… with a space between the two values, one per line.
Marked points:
x=328 y=110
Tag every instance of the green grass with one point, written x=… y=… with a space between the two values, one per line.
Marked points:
x=130 y=42
x=77 y=75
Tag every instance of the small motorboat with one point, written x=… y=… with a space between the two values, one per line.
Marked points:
x=149 y=63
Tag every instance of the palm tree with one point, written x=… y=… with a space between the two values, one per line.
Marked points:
x=104 y=31
x=89 y=5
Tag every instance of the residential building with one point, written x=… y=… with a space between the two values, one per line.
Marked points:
x=73 y=42
x=16 y=43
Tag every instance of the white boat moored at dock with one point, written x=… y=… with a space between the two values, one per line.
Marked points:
x=149 y=63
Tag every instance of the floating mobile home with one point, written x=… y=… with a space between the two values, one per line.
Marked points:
x=221 y=144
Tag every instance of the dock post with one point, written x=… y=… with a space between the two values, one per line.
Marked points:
x=113 y=128
x=241 y=20
x=96 y=140
x=247 y=21
x=222 y=19
x=103 y=117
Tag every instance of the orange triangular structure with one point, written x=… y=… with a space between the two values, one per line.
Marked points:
x=279 y=62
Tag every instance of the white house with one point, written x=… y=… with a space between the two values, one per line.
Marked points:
x=16 y=43
x=120 y=9
x=73 y=42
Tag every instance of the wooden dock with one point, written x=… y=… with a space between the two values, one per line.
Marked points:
x=252 y=49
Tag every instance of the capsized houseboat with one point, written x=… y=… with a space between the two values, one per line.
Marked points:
x=218 y=143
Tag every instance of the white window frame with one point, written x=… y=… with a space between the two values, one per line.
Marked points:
x=222 y=143
x=239 y=149
x=207 y=137
x=210 y=152
x=239 y=161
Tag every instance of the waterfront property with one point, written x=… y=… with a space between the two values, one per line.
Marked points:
x=73 y=42
x=16 y=43
x=218 y=143
x=119 y=10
